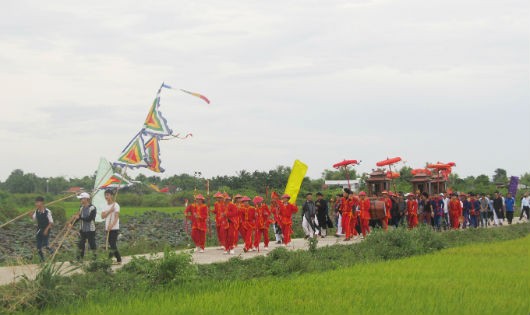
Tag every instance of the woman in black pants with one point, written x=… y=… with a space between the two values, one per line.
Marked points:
x=111 y=214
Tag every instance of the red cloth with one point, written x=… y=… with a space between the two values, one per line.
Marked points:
x=248 y=224
x=388 y=207
x=455 y=211
x=412 y=213
x=232 y=218
x=364 y=209
x=286 y=212
x=198 y=214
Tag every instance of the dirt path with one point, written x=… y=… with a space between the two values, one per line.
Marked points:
x=12 y=274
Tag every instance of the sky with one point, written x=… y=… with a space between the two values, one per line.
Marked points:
x=319 y=81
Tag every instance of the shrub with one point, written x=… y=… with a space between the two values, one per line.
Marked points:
x=98 y=264
x=174 y=268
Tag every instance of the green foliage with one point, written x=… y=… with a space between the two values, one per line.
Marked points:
x=98 y=264
x=312 y=244
x=175 y=268
x=416 y=285
x=59 y=213
x=339 y=174
x=500 y=176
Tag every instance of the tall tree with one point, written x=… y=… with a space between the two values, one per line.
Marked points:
x=500 y=176
x=18 y=182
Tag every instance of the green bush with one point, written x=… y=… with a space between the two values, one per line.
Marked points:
x=174 y=268
x=59 y=214
x=99 y=264
x=156 y=200
x=128 y=199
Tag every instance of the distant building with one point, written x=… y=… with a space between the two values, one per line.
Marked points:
x=75 y=190
x=343 y=183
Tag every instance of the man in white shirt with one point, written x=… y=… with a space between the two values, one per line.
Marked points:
x=446 y=210
x=111 y=214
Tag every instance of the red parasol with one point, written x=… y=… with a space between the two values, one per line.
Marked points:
x=388 y=161
x=344 y=165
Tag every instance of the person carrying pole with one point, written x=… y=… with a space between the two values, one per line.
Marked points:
x=43 y=217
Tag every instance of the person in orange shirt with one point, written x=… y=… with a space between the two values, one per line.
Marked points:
x=262 y=222
x=248 y=222
x=388 y=208
x=455 y=211
x=197 y=213
x=286 y=211
x=364 y=209
x=219 y=209
x=412 y=211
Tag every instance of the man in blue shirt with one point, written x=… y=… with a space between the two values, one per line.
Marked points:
x=509 y=203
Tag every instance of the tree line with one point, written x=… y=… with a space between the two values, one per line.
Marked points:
x=257 y=181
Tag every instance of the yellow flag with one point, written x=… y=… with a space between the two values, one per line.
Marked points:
x=295 y=180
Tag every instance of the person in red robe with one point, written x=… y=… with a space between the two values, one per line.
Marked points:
x=348 y=219
x=237 y=203
x=388 y=207
x=364 y=213
x=248 y=222
x=262 y=222
x=286 y=211
x=219 y=209
x=231 y=225
x=455 y=211
x=275 y=210
x=197 y=213
x=412 y=211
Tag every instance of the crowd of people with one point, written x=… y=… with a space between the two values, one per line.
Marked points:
x=240 y=217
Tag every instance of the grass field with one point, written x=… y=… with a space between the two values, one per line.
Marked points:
x=476 y=279
x=72 y=207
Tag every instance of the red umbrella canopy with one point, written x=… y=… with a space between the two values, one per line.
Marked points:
x=392 y=175
x=388 y=161
x=345 y=163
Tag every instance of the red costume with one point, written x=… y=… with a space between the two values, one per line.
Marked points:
x=262 y=225
x=286 y=211
x=349 y=218
x=364 y=208
x=455 y=211
x=248 y=224
x=388 y=208
x=219 y=210
x=198 y=215
x=232 y=226
x=412 y=212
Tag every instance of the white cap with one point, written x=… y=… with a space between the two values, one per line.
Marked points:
x=83 y=195
x=441 y=194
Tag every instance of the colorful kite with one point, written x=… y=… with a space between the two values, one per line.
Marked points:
x=116 y=181
x=152 y=151
x=134 y=153
x=202 y=97
x=155 y=128
x=155 y=123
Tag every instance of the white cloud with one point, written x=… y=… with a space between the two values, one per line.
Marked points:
x=315 y=80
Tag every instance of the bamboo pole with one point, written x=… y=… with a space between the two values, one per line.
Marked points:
x=30 y=211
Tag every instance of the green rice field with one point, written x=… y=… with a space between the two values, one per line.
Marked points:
x=476 y=279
